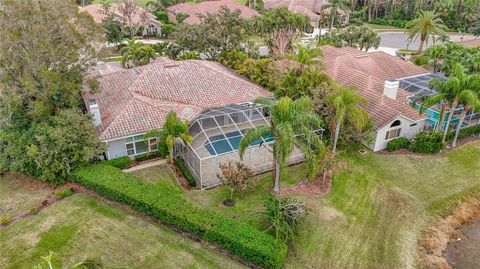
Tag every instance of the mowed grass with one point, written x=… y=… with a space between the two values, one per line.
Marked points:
x=376 y=212
x=19 y=194
x=82 y=227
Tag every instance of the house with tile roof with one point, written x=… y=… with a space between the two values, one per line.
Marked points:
x=470 y=43
x=207 y=7
x=216 y=101
x=139 y=16
x=380 y=78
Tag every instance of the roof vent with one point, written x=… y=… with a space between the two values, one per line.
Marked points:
x=170 y=65
x=363 y=55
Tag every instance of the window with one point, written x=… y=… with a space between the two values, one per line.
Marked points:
x=392 y=134
x=413 y=124
x=136 y=145
x=151 y=30
x=396 y=123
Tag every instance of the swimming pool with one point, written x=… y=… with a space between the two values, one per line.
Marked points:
x=220 y=145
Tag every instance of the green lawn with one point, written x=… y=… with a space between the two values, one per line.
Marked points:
x=383 y=28
x=81 y=227
x=379 y=206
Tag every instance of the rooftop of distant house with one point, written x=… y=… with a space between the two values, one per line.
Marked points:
x=134 y=101
x=367 y=72
x=470 y=43
x=98 y=13
x=210 y=7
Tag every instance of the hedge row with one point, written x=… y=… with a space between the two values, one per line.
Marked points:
x=398 y=143
x=396 y=23
x=236 y=237
x=185 y=172
x=147 y=156
x=465 y=132
x=120 y=163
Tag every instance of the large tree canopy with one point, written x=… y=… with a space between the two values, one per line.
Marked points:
x=43 y=58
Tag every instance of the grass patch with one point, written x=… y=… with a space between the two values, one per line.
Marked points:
x=158 y=175
x=81 y=227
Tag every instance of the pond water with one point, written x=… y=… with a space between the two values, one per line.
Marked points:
x=465 y=254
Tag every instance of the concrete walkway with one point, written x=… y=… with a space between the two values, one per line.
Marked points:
x=145 y=165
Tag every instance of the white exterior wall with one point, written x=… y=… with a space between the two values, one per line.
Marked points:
x=406 y=131
x=116 y=148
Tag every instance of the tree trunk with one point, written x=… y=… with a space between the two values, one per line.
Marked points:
x=420 y=48
x=276 y=186
x=440 y=120
x=337 y=134
x=332 y=19
x=459 y=125
x=449 y=119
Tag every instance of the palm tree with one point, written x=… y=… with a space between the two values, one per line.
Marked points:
x=426 y=24
x=368 y=38
x=335 y=6
x=347 y=104
x=137 y=53
x=173 y=128
x=468 y=98
x=292 y=123
x=434 y=54
x=307 y=56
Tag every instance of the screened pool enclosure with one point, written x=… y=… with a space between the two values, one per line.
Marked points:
x=216 y=135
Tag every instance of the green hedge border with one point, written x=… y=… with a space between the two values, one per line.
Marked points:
x=232 y=235
x=185 y=172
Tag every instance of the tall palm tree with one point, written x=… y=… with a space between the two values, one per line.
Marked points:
x=292 y=123
x=468 y=98
x=425 y=25
x=335 y=6
x=347 y=104
x=368 y=38
x=434 y=54
x=173 y=128
x=306 y=56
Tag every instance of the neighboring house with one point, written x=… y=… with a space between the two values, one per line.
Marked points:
x=216 y=101
x=470 y=43
x=137 y=16
x=315 y=9
x=388 y=83
x=210 y=7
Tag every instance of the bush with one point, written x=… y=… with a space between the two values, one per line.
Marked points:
x=466 y=132
x=238 y=238
x=427 y=143
x=396 y=23
x=163 y=149
x=168 y=29
x=120 y=163
x=162 y=16
x=398 y=143
x=64 y=193
x=5 y=219
x=185 y=172
x=356 y=22
x=147 y=156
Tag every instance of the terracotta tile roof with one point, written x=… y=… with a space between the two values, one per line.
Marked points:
x=471 y=43
x=192 y=9
x=96 y=11
x=133 y=101
x=367 y=72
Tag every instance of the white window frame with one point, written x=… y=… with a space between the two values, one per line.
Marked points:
x=152 y=28
x=135 y=139
x=397 y=135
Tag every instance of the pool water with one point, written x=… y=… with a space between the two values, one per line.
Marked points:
x=219 y=143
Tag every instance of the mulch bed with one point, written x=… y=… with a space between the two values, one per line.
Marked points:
x=316 y=188
x=448 y=148
x=182 y=181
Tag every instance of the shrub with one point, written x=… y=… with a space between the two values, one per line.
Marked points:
x=235 y=177
x=162 y=16
x=398 y=143
x=5 y=219
x=238 y=238
x=185 y=172
x=147 y=156
x=396 y=23
x=64 y=193
x=466 y=132
x=120 y=163
x=168 y=29
x=427 y=143
x=33 y=210
x=163 y=149
x=284 y=216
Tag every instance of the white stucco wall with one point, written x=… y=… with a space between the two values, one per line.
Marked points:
x=406 y=130
x=116 y=148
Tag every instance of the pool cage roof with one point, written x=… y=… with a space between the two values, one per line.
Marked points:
x=218 y=131
x=418 y=86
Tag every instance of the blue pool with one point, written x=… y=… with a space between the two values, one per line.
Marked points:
x=219 y=143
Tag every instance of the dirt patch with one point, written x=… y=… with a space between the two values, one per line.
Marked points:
x=27 y=183
x=436 y=238
x=318 y=187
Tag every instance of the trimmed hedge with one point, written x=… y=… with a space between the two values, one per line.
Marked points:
x=238 y=238
x=398 y=143
x=147 y=156
x=120 y=163
x=185 y=172
x=427 y=143
x=396 y=23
